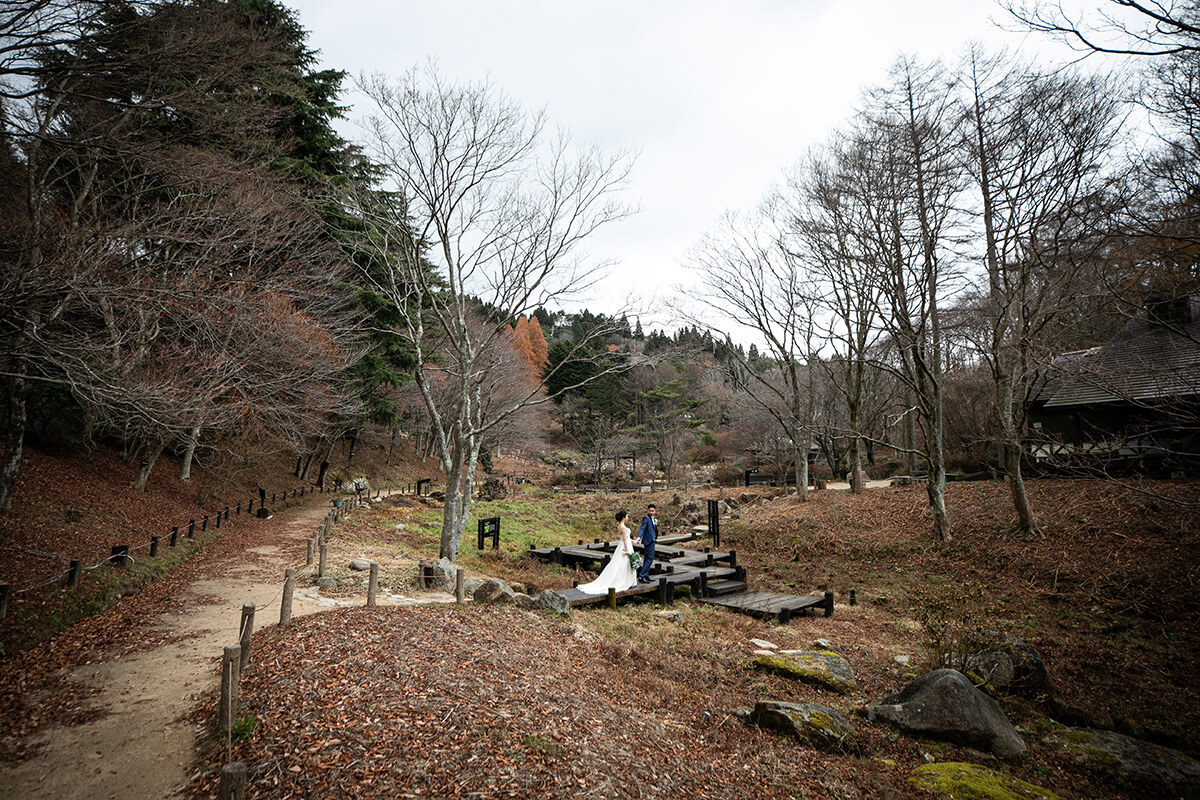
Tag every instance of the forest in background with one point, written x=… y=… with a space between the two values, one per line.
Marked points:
x=193 y=260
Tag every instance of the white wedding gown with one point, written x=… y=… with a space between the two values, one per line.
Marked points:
x=619 y=574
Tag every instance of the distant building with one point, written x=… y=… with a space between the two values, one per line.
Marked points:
x=1129 y=406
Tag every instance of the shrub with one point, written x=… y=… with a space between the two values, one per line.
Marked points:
x=726 y=475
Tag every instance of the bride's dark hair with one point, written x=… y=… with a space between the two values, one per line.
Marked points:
x=622 y=514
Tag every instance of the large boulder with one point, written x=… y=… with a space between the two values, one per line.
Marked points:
x=1009 y=665
x=526 y=602
x=471 y=584
x=360 y=564
x=494 y=590
x=944 y=704
x=820 y=668
x=951 y=780
x=1153 y=770
x=553 y=601
x=444 y=575
x=814 y=725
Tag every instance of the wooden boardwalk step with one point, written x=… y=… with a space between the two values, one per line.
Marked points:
x=772 y=604
x=725 y=587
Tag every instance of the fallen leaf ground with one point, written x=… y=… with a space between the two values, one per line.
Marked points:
x=482 y=702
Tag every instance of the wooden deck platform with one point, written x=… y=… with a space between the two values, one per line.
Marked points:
x=712 y=577
x=771 y=604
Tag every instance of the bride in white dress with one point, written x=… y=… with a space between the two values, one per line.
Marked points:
x=619 y=574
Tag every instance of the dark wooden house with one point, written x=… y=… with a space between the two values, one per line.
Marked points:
x=1131 y=405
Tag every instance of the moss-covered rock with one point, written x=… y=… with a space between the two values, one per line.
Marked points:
x=820 y=668
x=959 y=781
x=1142 y=765
x=814 y=725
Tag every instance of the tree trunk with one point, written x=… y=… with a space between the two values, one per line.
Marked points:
x=151 y=454
x=936 y=489
x=16 y=436
x=185 y=469
x=801 y=461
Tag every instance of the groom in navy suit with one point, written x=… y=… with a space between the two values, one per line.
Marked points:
x=647 y=535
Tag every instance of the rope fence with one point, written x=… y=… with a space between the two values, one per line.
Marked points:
x=122 y=555
x=236 y=658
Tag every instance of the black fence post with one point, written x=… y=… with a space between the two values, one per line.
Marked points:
x=204 y=524
x=153 y=546
x=120 y=554
x=192 y=529
x=174 y=535
x=3 y=600
x=74 y=572
x=218 y=520
x=249 y=508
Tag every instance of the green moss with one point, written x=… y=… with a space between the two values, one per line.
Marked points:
x=822 y=668
x=971 y=782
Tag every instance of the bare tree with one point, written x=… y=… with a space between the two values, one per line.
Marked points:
x=906 y=184
x=750 y=283
x=1122 y=27
x=485 y=214
x=819 y=230
x=1036 y=148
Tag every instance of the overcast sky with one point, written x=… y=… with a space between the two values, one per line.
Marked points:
x=716 y=96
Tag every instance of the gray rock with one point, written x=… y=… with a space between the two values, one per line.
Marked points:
x=526 y=602
x=690 y=507
x=494 y=590
x=823 y=644
x=471 y=584
x=327 y=583
x=670 y=616
x=360 y=564
x=819 y=668
x=763 y=644
x=444 y=571
x=1009 y=665
x=814 y=725
x=518 y=587
x=1153 y=770
x=943 y=704
x=555 y=602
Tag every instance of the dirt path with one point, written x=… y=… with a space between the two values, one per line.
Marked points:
x=139 y=746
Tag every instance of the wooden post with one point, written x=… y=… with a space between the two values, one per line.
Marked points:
x=120 y=554
x=703 y=584
x=829 y=604
x=308 y=557
x=612 y=598
x=460 y=585
x=662 y=591
x=733 y=559
x=4 y=592
x=249 y=508
x=289 y=587
x=233 y=781
x=218 y=520
x=230 y=673
x=153 y=546
x=204 y=524
x=192 y=529
x=853 y=598
x=227 y=513
x=245 y=631
x=74 y=572
x=373 y=584
x=174 y=536
x=272 y=498
x=323 y=551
